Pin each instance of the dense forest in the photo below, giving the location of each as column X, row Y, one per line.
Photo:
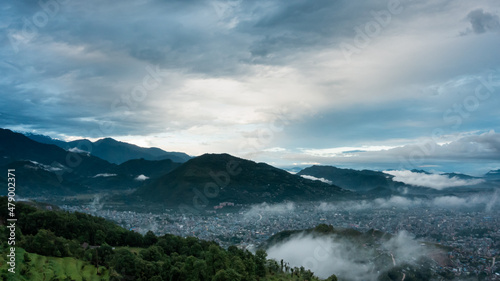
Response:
column 109, row 252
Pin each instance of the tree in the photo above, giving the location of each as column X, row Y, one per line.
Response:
column 153, row 253
column 216, row 259
column 226, row 275
column 260, row 263
column 150, row 238
column 124, row 262
column 100, row 237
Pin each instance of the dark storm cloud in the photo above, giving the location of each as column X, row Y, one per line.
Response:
column 224, row 64
column 482, row 21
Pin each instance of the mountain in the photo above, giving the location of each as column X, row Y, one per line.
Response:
column 48, row 170
column 213, row 178
column 148, row 168
column 493, row 175
column 112, row 150
column 351, row 179
column 459, row 176
column 16, row 147
column 34, row 180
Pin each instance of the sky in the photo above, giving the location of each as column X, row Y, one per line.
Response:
column 362, row 84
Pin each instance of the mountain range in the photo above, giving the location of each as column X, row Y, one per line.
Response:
column 355, row 180
column 66, row 168
column 113, row 151
column 48, row 170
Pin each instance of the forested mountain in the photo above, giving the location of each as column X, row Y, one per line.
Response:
column 358, row 180
column 222, row 177
column 112, row 150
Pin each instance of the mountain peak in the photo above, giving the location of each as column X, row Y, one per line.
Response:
column 232, row 179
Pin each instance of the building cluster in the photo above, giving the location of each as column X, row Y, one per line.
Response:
column 471, row 237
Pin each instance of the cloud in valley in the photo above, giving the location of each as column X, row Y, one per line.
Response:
column 141, row 178
column 326, row 255
column 435, row 181
column 265, row 209
column 316, row 179
column 486, row 201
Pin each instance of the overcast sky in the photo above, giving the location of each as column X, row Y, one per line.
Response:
column 368, row 84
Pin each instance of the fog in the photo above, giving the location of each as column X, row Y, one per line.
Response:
column 435, row 181
column 483, row 201
column 317, row 179
column 327, row 255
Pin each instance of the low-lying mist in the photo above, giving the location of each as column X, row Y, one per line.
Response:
column 483, row 201
column 327, row 255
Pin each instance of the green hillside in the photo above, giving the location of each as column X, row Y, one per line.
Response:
column 57, row 245
column 37, row 267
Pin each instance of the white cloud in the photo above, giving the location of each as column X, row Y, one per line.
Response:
column 327, row 255
column 141, row 178
column 431, row 180
column 105, row 175
column 317, row 179
column 342, row 151
column 486, row 201
column 48, row 168
column 265, row 209
column 77, row 150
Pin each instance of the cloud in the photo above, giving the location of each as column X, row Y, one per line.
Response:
column 227, row 66
column 264, row 209
column 488, row 201
column 141, row 178
column 56, row 167
column 468, row 152
column 105, row 175
column 434, row 181
column 316, row 179
column 482, row 21
column 449, row 201
column 77, row 150
column 327, row 255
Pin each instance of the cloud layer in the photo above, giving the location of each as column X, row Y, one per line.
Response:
column 435, row 181
column 247, row 76
column 347, row 260
column 486, row 201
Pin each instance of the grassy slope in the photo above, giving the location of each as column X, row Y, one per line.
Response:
column 45, row 268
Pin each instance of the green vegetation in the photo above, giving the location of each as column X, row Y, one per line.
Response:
column 55, row 245
column 36, row 267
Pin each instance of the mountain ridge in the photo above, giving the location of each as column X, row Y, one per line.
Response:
column 223, row 177
column 112, row 150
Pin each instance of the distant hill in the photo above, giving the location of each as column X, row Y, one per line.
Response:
column 112, row 150
column 493, row 175
column 35, row 179
column 238, row 180
column 351, row 179
column 48, row 170
column 460, row 176
column 148, row 168
column 17, row 147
